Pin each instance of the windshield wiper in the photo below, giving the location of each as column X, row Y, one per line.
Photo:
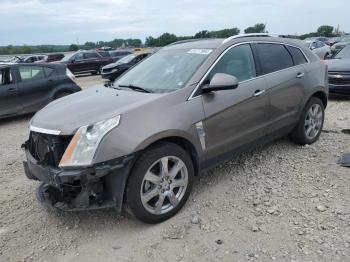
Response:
column 137, row 88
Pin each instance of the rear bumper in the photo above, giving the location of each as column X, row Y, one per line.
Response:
column 96, row 187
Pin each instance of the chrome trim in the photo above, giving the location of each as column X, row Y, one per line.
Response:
column 248, row 35
column 201, row 134
column 44, row 130
column 259, row 93
column 257, row 77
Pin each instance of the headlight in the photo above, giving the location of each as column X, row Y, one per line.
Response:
column 115, row 70
column 81, row 150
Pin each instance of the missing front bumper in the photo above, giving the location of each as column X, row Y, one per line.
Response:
column 96, row 187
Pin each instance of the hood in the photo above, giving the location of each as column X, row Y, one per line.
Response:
column 87, row 107
column 338, row 64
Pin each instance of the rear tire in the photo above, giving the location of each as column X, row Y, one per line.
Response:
column 160, row 183
column 310, row 124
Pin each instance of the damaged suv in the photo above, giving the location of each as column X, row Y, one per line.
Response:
column 137, row 144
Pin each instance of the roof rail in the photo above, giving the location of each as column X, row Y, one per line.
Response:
column 250, row 35
column 189, row 40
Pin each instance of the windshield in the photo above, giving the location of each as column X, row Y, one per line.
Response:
column 165, row 71
column 126, row 59
column 67, row 57
column 344, row 53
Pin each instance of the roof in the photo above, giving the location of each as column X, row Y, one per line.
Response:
column 216, row 42
column 196, row 43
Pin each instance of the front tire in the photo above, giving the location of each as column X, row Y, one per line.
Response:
column 310, row 124
column 160, row 183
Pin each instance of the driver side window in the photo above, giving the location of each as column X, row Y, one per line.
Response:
column 238, row 62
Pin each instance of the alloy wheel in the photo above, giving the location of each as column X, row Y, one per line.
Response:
column 313, row 121
column 164, row 185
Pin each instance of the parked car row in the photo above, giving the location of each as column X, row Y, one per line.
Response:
column 321, row 49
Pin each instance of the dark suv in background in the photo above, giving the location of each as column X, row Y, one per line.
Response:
column 173, row 116
column 86, row 62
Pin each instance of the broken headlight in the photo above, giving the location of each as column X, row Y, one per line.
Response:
column 81, row 150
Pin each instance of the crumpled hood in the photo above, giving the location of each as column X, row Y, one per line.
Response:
column 87, row 107
column 338, row 64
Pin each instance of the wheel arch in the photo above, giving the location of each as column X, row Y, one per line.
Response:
column 181, row 141
column 322, row 96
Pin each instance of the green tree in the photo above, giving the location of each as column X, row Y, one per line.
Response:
column 325, row 30
column 257, row 28
column 166, row 39
column 73, row 47
column 202, row 34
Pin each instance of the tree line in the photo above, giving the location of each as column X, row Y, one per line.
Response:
column 162, row 40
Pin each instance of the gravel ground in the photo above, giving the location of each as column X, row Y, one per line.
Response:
column 282, row 202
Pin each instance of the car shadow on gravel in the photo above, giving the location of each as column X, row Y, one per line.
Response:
column 12, row 120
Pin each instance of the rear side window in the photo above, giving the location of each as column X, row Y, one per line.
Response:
column 238, row 62
column 273, row 57
column 104, row 54
column 297, row 55
column 28, row 73
column 90, row 55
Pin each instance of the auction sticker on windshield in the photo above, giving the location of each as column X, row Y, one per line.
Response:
column 200, row 51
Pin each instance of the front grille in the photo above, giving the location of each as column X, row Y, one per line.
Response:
column 48, row 149
column 339, row 78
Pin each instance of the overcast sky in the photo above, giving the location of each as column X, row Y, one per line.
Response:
column 69, row 21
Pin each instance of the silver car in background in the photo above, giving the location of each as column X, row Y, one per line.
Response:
column 319, row 48
column 138, row 144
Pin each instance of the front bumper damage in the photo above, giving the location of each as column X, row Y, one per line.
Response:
column 96, row 187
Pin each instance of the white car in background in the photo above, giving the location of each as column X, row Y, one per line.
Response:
column 319, row 48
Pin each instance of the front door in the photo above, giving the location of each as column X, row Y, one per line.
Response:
column 234, row 118
column 9, row 98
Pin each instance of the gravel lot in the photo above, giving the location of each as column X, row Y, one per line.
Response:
column 282, row 202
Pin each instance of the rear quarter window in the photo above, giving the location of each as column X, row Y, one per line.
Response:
column 273, row 57
column 297, row 55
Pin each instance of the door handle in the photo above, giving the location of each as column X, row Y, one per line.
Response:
column 259, row 92
column 300, row 75
column 11, row 89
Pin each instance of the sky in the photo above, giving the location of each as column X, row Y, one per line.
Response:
column 35, row 22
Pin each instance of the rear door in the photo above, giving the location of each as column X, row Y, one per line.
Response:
column 235, row 117
column 35, row 86
column 9, row 97
column 92, row 61
column 285, row 78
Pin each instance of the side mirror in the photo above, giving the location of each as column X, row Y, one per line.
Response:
column 72, row 61
column 221, row 81
column 312, row 47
